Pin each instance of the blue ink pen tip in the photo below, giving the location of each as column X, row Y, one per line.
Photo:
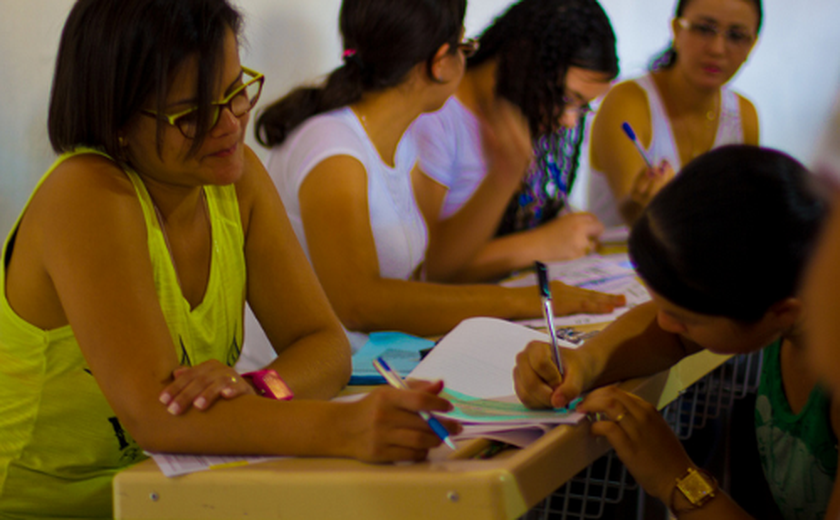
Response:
column 628, row 130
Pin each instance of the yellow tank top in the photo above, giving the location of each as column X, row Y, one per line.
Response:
column 60, row 442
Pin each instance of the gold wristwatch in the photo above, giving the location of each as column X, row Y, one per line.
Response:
column 697, row 486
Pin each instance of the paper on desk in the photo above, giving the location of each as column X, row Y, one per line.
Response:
column 589, row 269
column 475, row 361
column 629, row 286
column 175, row 464
column 616, row 234
column 612, row 274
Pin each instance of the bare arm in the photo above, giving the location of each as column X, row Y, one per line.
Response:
column 455, row 241
column 89, row 239
column 612, row 153
column 632, row 346
column 652, row 452
column 335, row 214
column 749, row 118
column 313, row 353
column 567, row 237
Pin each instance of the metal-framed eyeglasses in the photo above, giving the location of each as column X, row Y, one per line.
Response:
column 240, row 101
column 708, row 31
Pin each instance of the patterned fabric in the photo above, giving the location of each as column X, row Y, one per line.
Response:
column 545, row 188
column 60, row 442
column 798, row 451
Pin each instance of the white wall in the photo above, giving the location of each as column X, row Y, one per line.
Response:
column 792, row 74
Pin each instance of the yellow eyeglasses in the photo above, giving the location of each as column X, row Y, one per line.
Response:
column 240, row 101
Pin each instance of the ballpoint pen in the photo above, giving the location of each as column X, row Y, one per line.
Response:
column 632, row 135
column 548, row 312
column 395, row 380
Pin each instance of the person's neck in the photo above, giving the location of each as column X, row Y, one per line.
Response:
column 683, row 98
column 794, row 337
column 176, row 205
column 477, row 90
column 385, row 116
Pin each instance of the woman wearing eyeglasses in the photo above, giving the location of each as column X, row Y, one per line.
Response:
column 500, row 158
column 678, row 111
column 123, row 283
column 342, row 154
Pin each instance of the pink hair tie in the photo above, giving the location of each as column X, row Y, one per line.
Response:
column 349, row 53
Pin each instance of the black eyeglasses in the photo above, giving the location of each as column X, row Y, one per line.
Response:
column 239, row 102
column 736, row 38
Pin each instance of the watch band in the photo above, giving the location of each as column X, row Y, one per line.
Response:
column 698, row 486
column 269, row 384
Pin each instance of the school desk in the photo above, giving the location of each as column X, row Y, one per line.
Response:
column 451, row 485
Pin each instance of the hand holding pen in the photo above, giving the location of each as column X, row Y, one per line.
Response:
column 647, row 184
column 396, row 381
column 628, row 130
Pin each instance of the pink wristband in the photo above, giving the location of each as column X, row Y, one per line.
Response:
column 269, row 384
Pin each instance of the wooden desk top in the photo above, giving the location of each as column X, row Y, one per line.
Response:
column 503, row 487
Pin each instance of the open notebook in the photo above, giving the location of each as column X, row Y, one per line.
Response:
column 475, row 361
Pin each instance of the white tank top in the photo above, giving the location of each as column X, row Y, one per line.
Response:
column 663, row 145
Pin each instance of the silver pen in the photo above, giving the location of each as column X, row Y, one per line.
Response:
column 548, row 312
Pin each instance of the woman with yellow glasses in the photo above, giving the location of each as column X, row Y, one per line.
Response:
column 124, row 281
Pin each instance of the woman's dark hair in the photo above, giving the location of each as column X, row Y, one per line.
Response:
column 731, row 234
column 383, row 41
column 535, row 42
column 668, row 57
column 114, row 55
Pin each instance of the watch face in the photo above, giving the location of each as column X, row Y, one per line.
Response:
column 696, row 488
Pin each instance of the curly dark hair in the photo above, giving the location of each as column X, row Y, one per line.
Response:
column 535, row 42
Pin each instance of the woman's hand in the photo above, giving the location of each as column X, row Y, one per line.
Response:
column 506, row 141
column 645, row 187
column 537, row 381
column 569, row 299
column 385, row 426
column 641, row 438
column 570, row 236
column 201, row 385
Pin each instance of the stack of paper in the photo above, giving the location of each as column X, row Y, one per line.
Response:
column 475, row 361
column 612, row 274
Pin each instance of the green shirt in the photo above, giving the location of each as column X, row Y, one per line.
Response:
column 60, row 442
column 798, row 451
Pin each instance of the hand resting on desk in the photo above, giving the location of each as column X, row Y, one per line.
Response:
column 201, row 385
column 382, row 427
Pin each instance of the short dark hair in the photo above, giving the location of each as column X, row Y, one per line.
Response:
column 535, row 42
column 114, row 54
column 383, row 41
column 731, row 234
column 667, row 58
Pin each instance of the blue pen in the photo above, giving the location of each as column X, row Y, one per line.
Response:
column 632, row 135
column 548, row 312
column 394, row 379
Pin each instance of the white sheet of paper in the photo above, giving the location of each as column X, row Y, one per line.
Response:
column 175, row 464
